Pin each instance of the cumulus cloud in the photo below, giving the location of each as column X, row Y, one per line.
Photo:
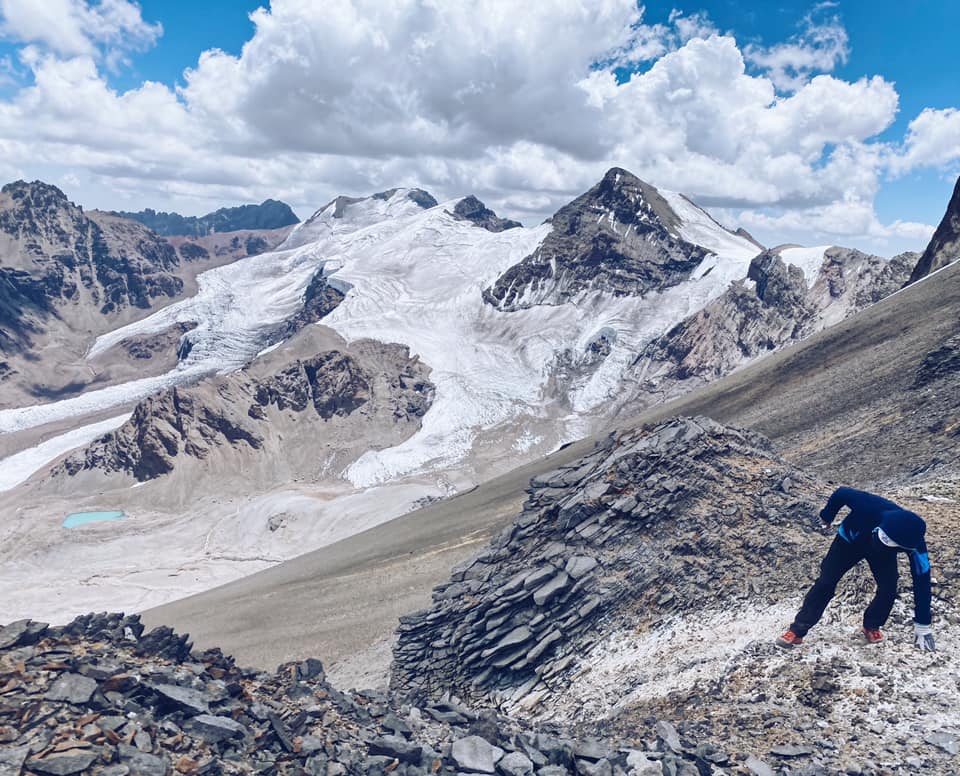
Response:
column 523, row 104
column 933, row 139
column 78, row 27
column 820, row 47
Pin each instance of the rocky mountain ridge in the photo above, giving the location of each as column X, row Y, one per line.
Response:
column 774, row 306
column 944, row 246
column 269, row 214
column 620, row 236
column 248, row 410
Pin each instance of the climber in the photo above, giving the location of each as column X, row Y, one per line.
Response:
column 875, row 530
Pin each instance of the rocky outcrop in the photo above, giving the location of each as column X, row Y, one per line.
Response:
column 619, row 237
column 939, row 363
column 775, row 306
column 472, row 209
column 54, row 255
column 238, row 411
column 269, row 214
column 103, row 696
column 657, row 520
column 944, row 246
column 319, row 300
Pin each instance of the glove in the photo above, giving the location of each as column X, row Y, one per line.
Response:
column 923, row 637
column 827, row 519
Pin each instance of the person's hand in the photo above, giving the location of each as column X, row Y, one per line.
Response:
column 923, row 638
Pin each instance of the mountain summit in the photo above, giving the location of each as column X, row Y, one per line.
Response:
column 945, row 245
column 269, row 214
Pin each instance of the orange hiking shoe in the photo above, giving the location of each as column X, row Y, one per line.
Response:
column 873, row 635
column 789, row 640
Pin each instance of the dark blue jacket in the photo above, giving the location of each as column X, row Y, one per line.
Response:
column 867, row 512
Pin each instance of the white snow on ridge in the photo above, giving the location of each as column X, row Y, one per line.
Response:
column 19, row 467
column 416, row 277
column 810, row 260
column 700, row 229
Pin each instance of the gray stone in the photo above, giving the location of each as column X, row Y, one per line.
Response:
column 514, row 637
column 141, row 763
column 534, row 578
column 552, row 589
column 592, row 750
column 183, row 697
column 553, row 770
column 213, row 729
column 758, row 767
column 476, row 755
column 641, row 765
column 515, row 764
column 310, row 744
column 946, row 741
column 12, row 634
column 72, row 688
column 791, row 750
column 11, row 760
column 669, row 734
column 396, row 747
column 579, row 565
column 598, row 768
column 61, row 764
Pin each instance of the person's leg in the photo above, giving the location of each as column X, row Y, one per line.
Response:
column 883, row 564
column 840, row 558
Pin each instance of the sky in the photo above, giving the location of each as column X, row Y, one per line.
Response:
column 807, row 122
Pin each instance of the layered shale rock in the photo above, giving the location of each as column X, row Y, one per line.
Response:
column 944, row 246
column 657, row 520
column 101, row 696
column 774, row 306
column 619, row 237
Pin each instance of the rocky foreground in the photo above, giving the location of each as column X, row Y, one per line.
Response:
column 621, row 626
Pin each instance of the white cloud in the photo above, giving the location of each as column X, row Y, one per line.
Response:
column 518, row 103
column 819, row 48
column 933, row 139
column 78, row 27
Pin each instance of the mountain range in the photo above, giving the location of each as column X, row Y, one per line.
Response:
column 269, row 214
column 560, row 486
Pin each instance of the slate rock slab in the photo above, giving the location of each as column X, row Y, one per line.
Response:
column 214, row 729
column 72, row 688
column 183, row 697
column 474, row 754
column 11, row 760
column 65, row 763
column 791, row 750
column 396, row 747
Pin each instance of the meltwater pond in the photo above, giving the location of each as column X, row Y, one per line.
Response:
column 82, row 518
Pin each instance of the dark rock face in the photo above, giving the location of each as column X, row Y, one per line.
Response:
column 319, row 300
column 944, row 247
column 939, row 363
column 234, row 412
column 162, row 427
column 423, row 198
column 333, row 383
column 61, row 250
column 269, row 214
column 778, row 309
column 472, row 209
column 660, row 519
column 618, row 237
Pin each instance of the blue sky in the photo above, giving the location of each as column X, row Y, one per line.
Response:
column 856, row 144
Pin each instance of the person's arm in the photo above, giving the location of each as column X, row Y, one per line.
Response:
column 841, row 497
column 922, row 595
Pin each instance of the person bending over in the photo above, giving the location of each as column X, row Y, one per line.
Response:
column 875, row 530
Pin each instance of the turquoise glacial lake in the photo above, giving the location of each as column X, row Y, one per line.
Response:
column 82, row 518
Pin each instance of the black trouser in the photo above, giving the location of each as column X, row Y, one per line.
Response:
column 841, row 557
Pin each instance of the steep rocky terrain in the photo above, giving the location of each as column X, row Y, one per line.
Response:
column 944, row 247
column 774, row 306
column 647, row 579
column 269, row 214
column 657, row 520
column 67, row 275
column 251, row 411
column 102, row 696
column 620, row 236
